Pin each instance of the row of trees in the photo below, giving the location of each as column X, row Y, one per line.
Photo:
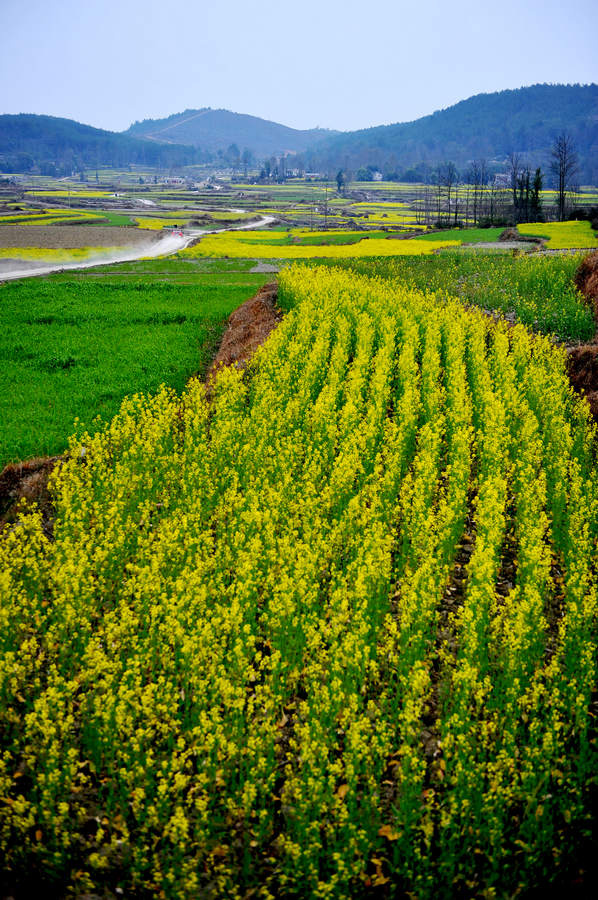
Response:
column 479, row 193
column 482, row 195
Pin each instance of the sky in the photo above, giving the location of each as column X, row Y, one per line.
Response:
column 336, row 64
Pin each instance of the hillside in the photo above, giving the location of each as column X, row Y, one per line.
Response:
column 217, row 129
column 60, row 146
column 486, row 125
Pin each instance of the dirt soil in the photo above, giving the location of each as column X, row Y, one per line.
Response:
column 511, row 234
column 248, row 327
column 71, row 237
column 586, row 281
column 26, row 481
column 582, row 359
column 582, row 366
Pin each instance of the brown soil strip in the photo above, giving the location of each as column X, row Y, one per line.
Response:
column 586, row 281
column 582, row 360
column 26, row 481
column 582, row 368
column 71, row 237
column 248, row 327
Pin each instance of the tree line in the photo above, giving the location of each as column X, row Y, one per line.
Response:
column 481, row 194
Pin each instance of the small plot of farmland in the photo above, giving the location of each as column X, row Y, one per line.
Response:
column 73, row 346
column 64, row 243
column 301, row 244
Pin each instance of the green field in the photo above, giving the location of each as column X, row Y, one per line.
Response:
column 537, row 290
column 72, row 346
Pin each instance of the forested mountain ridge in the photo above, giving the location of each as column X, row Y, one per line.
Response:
column 61, row 146
column 490, row 126
column 217, row 129
column 525, row 121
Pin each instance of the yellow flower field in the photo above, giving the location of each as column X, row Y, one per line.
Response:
column 47, row 217
column 153, row 223
column 329, row 633
column 55, row 254
column 562, row 235
column 73, row 194
column 270, row 245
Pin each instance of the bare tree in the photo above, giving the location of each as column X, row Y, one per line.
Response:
column 477, row 176
column 447, row 178
column 564, row 167
column 514, row 164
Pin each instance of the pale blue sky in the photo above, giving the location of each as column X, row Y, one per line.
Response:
column 335, row 64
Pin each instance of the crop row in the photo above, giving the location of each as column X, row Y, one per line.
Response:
column 331, row 631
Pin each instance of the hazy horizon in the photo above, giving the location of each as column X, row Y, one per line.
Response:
column 337, row 66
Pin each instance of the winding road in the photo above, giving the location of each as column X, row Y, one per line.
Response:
column 165, row 246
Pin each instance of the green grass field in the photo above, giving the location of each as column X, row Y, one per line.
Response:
column 467, row 235
column 72, row 346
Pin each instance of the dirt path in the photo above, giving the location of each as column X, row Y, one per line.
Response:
column 147, row 244
column 248, row 327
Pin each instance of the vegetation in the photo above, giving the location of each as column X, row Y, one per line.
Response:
column 465, row 235
column 331, row 633
column 487, row 125
column 310, row 245
column 563, row 235
column 73, row 346
column 52, row 217
column 57, row 254
column 538, row 290
column 60, row 146
column 221, row 130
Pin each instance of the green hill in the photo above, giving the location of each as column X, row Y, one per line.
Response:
column 217, row 129
column 491, row 126
column 60, row 146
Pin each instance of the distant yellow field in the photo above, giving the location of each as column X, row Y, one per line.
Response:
column 562, row 235
column 68, row 193
column 274, row 245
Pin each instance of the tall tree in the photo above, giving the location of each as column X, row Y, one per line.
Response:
column 514, row 164
column 477, row 176
column 564, row 166
column 247, row 160
column 447, row 178
column 536, row 199
column 523, row 199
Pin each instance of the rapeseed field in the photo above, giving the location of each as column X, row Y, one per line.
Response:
column 330, row 632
